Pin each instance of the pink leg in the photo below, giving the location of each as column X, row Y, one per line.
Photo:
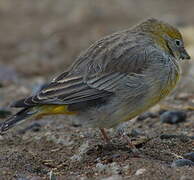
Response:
column 105, row 136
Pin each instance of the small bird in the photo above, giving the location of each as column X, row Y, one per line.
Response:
column 117, row 78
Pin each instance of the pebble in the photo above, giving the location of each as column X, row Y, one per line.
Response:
column 112, row 168
column 182, row 162
column 81, row 151
column 189, row 156
column 76, row 157
column 136, row 132
column 173, row 117
column 191, row 137
column 84, row 148
column 115, row 168
column 140, row 171
column 64, row 140
column 183, row 96
column 101, row 167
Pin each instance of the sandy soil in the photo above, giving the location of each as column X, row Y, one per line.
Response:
column 39, row 39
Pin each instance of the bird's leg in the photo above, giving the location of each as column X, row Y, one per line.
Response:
column 129, row 142
column 121, row 132
column 104, row 134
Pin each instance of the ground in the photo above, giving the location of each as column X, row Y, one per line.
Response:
column 39, row 39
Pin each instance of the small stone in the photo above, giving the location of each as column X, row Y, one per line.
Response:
column 136, row 132
column 182, row 162
column 66, row 141
column 140, row 171
column 81, row 151
column 183, row 96
column 189, row 156
column 173, row 117
column 84, row 148
column 112, row 168
column 101, row 167
column 191, row 137
column 115, row 156
column 76, row 157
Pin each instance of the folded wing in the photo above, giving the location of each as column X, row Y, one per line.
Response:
column 99, row 72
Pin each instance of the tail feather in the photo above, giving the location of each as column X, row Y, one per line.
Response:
column 17, row 118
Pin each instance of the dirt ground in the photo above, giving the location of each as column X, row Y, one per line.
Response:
column 38, row 40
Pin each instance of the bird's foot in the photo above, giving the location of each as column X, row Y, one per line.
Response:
column 105, row 136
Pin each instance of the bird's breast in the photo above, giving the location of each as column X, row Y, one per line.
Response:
column 166, row 84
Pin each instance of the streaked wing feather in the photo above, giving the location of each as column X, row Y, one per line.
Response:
column 64, row 93
column 99, row 72
column 86, row 97
column 61, row 76
column 109, row 81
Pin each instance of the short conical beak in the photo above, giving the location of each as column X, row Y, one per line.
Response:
column 184, row 55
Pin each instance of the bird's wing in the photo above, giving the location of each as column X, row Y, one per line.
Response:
column 99, row 72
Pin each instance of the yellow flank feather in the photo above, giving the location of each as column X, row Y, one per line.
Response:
column 46, row 110
column 155, row 99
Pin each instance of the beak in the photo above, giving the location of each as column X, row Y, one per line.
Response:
column 184, row 55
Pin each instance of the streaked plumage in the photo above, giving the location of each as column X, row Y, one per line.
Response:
column 115, row 79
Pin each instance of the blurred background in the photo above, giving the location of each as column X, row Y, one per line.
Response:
column 39, row 39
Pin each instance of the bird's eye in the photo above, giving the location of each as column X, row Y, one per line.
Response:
column 178, row 42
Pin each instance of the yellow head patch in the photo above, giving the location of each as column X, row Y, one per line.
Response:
column 160, row 28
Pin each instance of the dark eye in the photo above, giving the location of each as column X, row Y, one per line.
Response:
column 177, row 42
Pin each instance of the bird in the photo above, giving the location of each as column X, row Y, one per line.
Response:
column 116, row 79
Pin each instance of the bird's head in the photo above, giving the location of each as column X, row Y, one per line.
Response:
column 167, row 37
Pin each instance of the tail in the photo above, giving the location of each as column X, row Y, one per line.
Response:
column 17, row 118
